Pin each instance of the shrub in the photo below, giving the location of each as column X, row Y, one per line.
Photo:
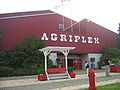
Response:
column 37, row 69
column 6, row 71
column 49, row 63
column 24, row 71
column 53, row 66
column 70, row 69
column 23, row 57
column 115, row 60
column 100, row 64
column 41, row 71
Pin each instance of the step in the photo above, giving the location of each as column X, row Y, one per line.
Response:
column 58, row 76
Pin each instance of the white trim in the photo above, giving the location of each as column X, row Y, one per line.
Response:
column 23, row 16
column 56, row 48
column 64, row 50
column 70, row 26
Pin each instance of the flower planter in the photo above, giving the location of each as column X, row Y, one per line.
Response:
column 115, row 68
column 42, row 77
column 56, row 70
column 72, row 74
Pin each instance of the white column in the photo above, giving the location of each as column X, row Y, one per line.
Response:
column 65, row 52
column 66, row 62
column 45, row 61
column 46, row 52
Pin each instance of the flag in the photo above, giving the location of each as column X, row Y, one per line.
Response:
column 61, row 3
column 64, row 0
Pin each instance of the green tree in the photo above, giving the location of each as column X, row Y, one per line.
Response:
column 25, row 56
column 110, row 53
column 28, row 52
column 118, row 40
column 1, row 36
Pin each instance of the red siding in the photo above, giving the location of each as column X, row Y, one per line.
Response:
column 15, row 30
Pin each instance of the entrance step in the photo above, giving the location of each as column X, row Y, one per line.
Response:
column 58, row 76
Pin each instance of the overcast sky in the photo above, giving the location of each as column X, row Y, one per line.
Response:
column 102, row 12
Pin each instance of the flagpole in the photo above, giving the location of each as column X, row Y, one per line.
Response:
column 71, row 19
column 63, row 18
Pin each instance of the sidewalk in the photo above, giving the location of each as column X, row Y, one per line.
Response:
column 80, row 82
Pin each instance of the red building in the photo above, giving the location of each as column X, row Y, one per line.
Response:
column 88, row 37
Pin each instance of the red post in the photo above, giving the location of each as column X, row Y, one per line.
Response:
column 91, row 80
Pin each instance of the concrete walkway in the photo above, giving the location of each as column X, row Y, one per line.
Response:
column 80, row 82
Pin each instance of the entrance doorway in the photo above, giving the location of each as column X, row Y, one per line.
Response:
column 61, row 63
column 75, row 63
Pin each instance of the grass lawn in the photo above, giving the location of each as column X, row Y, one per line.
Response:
column 114, row 86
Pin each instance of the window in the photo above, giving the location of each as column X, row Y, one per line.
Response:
column 92, row 60
column 61, row 26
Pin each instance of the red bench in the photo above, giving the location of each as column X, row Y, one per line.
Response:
column 55, row 70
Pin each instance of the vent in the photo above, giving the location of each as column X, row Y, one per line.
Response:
column 61, row 26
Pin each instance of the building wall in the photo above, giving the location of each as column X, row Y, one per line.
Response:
column 96, row 56
column 86, row 57
column 16, row 29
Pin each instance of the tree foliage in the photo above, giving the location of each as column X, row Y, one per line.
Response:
column 118, row 40
column 1, row 36
column 115, row 60
column 110, row 53
column 25, row 56
column 29, row 53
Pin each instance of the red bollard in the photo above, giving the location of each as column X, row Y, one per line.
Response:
column 91, row 80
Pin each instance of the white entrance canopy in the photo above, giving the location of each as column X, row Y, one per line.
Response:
column 47, row 50
column 56, row 48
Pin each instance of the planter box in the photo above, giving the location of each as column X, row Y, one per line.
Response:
column 115, row 68
column 72, row 74
column 42, row 77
